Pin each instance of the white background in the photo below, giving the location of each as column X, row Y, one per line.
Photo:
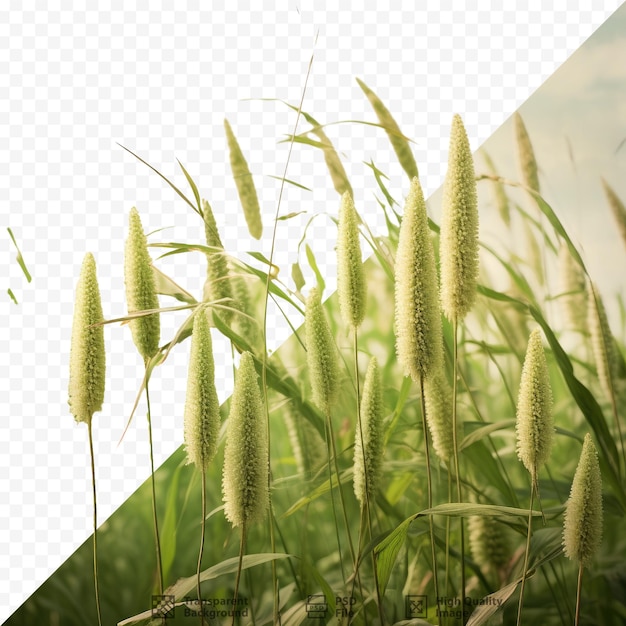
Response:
column 160, row 81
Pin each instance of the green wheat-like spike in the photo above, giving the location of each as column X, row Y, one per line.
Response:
column 368, row 450
column 601, row 339
column 202, row 411
column 245, row 478
column 243, row 324
column 322, row 358
column 217, row 286
column 140, row 288
column 617, row 208
column 417, row 315
column 459, row 228
column 488, row 541
column 573, row 285
column 399, row 144
column 245, row 184
column 87, row 354
column 525, row 154
column 534, row 426
column 582, row 527
column 350, row 276
column 438, row 400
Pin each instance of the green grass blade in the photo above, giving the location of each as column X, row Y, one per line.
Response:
column 398, row 141
column 193, row 186
column 20, row 259
column 169, row 182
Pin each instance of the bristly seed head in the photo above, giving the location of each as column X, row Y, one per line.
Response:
column 141, row 289
column 582, row 528
column 368, row 452
column 535, row 427
column 322, row 358
column 202, row 410
column 417, row 316
column 87, row 354
column 350, row 276
column 245, row 477
column 525, row 154
column 459, row 228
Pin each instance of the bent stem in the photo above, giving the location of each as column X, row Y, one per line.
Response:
column 95, row 524
column 154, row 509
column 455, row 358
column 200, row 553
column 530, row 519
column 430, row 494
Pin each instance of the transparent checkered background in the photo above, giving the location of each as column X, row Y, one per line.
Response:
column 75, row 82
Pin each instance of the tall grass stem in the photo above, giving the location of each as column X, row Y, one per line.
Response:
column 95, row 524
column 155, row 519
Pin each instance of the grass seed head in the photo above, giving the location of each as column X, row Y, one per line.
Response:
column 245, row 476
column 459, row 228
column 350, row 276
column 417, row 314
column 534, row 427
column 601, row 339
column 398, row 142
column 322, row 358
column 488, row 541
column 573, row 285
column 202, row 410
column 525, row 155
column 217, row 285
column 141, row 289
column 438, row 400
column 245, row 184
column 87, row 354
column 368, row 452
column 582, row 528
column 617, row 208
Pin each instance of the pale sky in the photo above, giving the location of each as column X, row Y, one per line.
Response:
column 580, row 112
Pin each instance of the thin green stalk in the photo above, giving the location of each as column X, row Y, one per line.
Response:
column 330, row 447
column 455, row 359
column 277, row 619
column 530, row 519
column 95, row 524
column 201, row 551
column 447, row 578
column 365, row 512
column 579, row 588
column 239, row 568
column 154, row 508
column 430, row 493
